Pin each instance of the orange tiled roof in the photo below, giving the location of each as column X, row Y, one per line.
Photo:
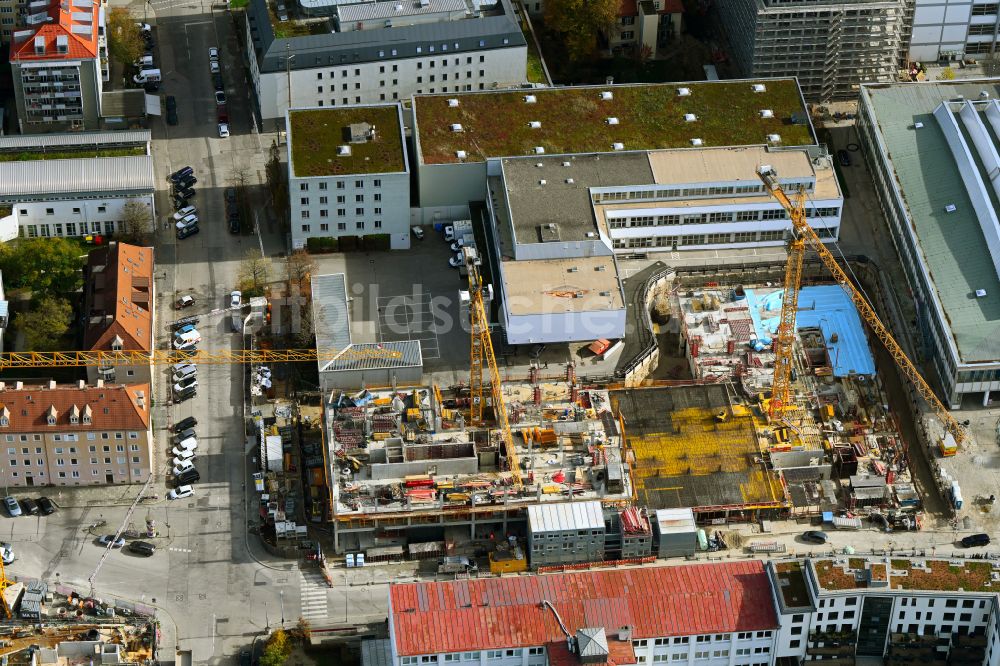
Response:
column 112, row 407
column 77, row 20
column 118, row 300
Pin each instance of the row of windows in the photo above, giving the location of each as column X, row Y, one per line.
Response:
column 75, row 474
column 705, row 239
column 72, row 437
column 51, row 211
column 340, row 185
column 712, row 218
column 678, row 193
column 341, row 212
column 704, row 638
column 471, row 656
column 341, row 226
column 69, row 229
column 985, row 10
column 358, row 198
column 948, row 603
column 395, row 96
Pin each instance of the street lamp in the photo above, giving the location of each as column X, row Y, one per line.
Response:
column 288, row 72
column 282, row 597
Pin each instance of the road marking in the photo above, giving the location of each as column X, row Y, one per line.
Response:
column 180, row 550
column 313, row 595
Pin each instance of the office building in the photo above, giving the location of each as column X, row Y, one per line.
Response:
column 831, row 47
column 76, row 184
column 75, row 435
column 59, row 62
column 932, row 150
column 348, row 177
column 951, row 30
column 325, row 53
column 118, row 300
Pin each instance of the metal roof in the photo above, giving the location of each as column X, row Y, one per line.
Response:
column 409, row 356
column 657, row 601
column 30, row 141
column 388, row 9
column 592, row 642
column 97, row 174
column 565, row 516
column 394, row 43
column 675, row 521
column 376, row 652
column 951, row 249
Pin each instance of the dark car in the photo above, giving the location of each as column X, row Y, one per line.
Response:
column 46, row 506
column 186, row 423
column 171, row 102
column 186, row 182
column 222, row 114
column 185, row 193
column 152, row 87
column 217, row 81
column 187, row 232
column 187, row 477
column 230, row 194
column 184, row 434
column 29, row 506
column 245, row 658
column 974, row 540
column 815, row 536
column 143, row 548
column 185, row 395
column 844, row 157
column 234, row 225
column 171, row 117
column 181, row 173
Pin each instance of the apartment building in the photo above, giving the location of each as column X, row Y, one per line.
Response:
column 348, row 176
column 830, row 46
column 643, row 26
column 75, row 435
column 907, row 132
column 954, row 29
column 711, row 614
column 382, row 51
column 84, row 190
column 59, row 62
column 118, row 309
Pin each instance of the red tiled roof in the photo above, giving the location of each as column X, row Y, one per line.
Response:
column 628, row 8
column 119, row 298
column 27, row 408
column 672, row 7
column 80, row 43
column 467, row 615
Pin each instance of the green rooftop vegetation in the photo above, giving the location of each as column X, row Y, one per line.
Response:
column 575, row 120
column 295, row 27
column 26, row 156
column 316, row 135
column 908, row 575
column 792, row 583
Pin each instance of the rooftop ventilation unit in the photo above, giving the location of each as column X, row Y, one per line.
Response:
column 605, row 293
column 758, row 87
column 984, row 94
column 774, row 138
column 542, row 182
column 617, row 146
column 918, row 126
column 980, row 293
column 539, row 150
column 683, row 92
column 530, row 99
column 535, row 124
column 600, row 269
column 690, row 117
column 696, row 142
column 950, row 208
column 590, row 234
column 766, row 113
column 574, row 269
column 539, row 165
column 607, row 95
column 456, row 127
column 566, row 164
column 570, row 181
column 461, row 154
column 612, row 121
column 343, row 151
column 453, row 102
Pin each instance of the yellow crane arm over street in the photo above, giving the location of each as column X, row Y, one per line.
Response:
column 76, row 359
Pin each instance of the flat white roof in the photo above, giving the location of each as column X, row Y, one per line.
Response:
column 565, row 516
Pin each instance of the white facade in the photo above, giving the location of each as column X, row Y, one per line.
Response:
column 953, row 29
column 74, row 217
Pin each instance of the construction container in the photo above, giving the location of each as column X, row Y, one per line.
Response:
column 507, row 562
column 566, row 533
column 675, row 533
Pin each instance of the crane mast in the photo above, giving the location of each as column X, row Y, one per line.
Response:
column 802, row 235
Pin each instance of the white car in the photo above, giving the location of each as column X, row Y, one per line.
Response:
column 449, row 233
column 223, row 130
column 235, row 299
column 214, row 66
column 187, row 221
column 184, row 466
column 181, row 492
column 184, row 212
column 181, row 387
column 187, row 340
column 7, row 553
column 144, row 27
column 188, row 444
column 456, row 261
column 213, row 54
column 182, row 454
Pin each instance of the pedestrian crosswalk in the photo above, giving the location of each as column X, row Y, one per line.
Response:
column 313, row 595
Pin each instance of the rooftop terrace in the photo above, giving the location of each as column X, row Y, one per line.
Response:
column 316, row 135
column 575, row 119
column 904, row 574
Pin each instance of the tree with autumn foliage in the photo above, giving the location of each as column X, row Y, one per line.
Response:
column 579, row 22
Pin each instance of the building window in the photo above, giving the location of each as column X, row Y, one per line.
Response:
column 305, row 228
column 628, row 20
column 628, row 34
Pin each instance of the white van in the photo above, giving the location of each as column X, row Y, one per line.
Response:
column 147, row 76
column 145, row 61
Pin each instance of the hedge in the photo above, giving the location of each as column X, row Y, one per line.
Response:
column 371, row 242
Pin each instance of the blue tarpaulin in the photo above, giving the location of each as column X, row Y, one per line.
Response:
column 828, row 308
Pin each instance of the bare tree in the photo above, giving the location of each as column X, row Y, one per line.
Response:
column 276, row 183
column 299, row 266
column 255, row 273
column 137, row 221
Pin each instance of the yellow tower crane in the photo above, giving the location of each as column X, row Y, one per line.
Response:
column 803, row 234
column 482, row 349
column 75, row 359
column 5, row 582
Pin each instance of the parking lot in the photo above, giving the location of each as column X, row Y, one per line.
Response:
column 409, row 317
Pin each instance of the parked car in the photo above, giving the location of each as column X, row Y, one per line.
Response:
column 974, row 540
column 188, row 231
column 213, row 53
column 152, row 87
column 7, row 554
column 143, row 548
column 220, row 98
column 172, row 117
column 189, row 383
column 417, row 232
column 46, row 506
column 186, row 183
column 234, row 225
column 449, row 233
column 171, row 102
column 184, row 212
column 230, row 195
column 181, row 492
column 13, row 508
column 815, row 536
column 144, row 27
column 184, row 328
column 180, row 455
column 187, row 395
column 109, row 539
column 223, row 130
column 186, row 371
column 214, row 67
column 181, row 173
column 187, row 477
column 187, row 341
column 844, row 157
column 235, row 299
column 185, row 193
column 184, row 466
column 187, row 221
column 217, row 81
column 184, row 302
column 185, row 423
column 29, row 506
column 454, row 262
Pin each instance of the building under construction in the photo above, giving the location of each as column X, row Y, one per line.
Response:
column 407, row 469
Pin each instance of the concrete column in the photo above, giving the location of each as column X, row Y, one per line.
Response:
column 986, row 398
